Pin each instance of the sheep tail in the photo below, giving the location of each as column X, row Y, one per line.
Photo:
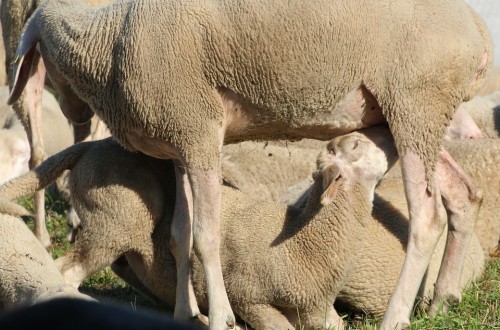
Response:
column 44, row 174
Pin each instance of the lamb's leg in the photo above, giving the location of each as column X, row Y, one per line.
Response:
column 462, row 200
column 261, row 316
column 34, row 133
column 427, row 221
column 206, row 187
column 73, row 270
column 324, row 317
column 122, row 268
column 181, row 242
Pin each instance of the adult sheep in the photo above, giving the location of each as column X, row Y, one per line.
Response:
column 13, row 16
column 229, row 71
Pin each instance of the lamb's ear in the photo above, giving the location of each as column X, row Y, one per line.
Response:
column 332, row 180
column 24, row 58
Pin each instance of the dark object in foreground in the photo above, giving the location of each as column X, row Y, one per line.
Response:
column 75, row 314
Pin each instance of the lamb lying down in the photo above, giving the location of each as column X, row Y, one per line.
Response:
column 27, row 272
column 277, row 260
column 120, row 210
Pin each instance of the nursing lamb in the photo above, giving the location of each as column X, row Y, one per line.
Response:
column 227, row 71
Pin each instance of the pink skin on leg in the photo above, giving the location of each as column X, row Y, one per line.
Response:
column 462, row 200
column 428, row 219
column 181, row 242
column 206, row 189
column 34, row 132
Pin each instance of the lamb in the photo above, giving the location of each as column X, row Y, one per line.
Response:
column 346, row 184
column 13, row 16
column 27, row 272
column 91, row 253
column 216, row 83
column 280, row 170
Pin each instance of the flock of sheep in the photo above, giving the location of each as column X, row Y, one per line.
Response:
column 295, row 226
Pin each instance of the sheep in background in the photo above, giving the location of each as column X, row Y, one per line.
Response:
column 485, row 112
column 287, row 84
column 492, row 82
column 27, row 272
column 13, row 16
column 265, row 170
column 14, row 145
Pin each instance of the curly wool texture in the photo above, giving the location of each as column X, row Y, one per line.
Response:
column 27, row 271
column 121, row 204
column 295, row 66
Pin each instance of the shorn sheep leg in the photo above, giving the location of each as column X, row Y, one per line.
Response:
column 34, row 132
column 206, row 188
column 427, row 221
column 181, row 242
column 462, row 200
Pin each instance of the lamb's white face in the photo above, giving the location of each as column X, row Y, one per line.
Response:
column 366, row 154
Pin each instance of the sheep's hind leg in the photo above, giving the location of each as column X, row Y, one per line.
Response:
column 181, row 242
column 206, row 188
column 427, row 221
column 462, row 200
column 34, row 132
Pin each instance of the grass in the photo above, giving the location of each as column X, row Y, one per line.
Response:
column 479, row 308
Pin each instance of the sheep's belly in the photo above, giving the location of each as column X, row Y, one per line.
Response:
column 246, row 121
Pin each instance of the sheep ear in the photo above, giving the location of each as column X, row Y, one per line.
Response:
column 332, row 180
column 24, row 58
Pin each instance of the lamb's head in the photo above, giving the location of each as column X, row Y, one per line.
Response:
column 361, row 157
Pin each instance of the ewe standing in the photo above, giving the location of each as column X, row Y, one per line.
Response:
column 224, row 71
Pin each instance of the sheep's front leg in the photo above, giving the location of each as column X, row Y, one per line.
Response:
column 462, row 200
column 181, row 242
column 206, row 187
column 427, row 221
